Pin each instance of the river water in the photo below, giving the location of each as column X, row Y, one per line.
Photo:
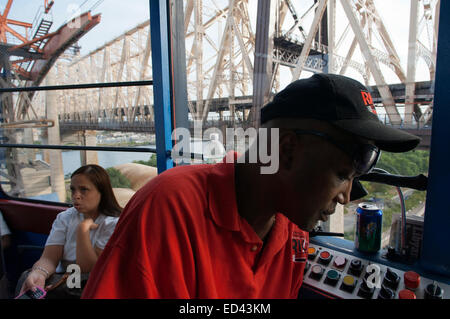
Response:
column 72, row 160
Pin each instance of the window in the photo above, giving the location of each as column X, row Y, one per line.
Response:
column 104, row 114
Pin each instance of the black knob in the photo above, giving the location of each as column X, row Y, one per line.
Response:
column 355, row 267
column 386, row 293
column 365, row 291
column 433, row 291
column 391, row 279
column 391, row 253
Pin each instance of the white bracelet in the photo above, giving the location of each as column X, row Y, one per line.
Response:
column 43, row 270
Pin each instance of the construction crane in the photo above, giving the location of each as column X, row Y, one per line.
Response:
column 27, row 53
column 22, row 48
column 48, row 5
column 27, row 56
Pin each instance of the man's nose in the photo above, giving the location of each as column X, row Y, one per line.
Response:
column 344, row 195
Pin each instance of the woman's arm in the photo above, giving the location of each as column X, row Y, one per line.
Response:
column 44, row 267
column 87, row 255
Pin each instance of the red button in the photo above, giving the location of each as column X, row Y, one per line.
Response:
column 325, row 255
column 412, row 279
column 406, row 294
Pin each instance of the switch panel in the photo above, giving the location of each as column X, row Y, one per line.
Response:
column 344, row 276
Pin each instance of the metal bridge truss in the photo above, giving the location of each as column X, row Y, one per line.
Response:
column 126, row 58
column 220, row 52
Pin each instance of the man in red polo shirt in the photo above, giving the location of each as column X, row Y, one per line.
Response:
column 229, row 231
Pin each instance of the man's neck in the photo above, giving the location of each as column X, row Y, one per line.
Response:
column 252, row 201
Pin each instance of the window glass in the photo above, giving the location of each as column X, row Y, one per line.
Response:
column 75, row 42
column 220, row 50
column 388, row 198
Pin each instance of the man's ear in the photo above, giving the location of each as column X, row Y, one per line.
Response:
column 288, row 145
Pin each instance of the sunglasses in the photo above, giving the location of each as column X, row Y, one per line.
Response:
column 364, row 156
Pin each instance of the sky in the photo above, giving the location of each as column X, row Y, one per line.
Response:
column 119, row 16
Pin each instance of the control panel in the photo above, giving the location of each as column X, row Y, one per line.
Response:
column 341, row 275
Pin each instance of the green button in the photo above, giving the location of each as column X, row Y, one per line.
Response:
column 333, row 274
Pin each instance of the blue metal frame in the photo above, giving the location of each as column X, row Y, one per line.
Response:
column 436, row 238
column 162, row 88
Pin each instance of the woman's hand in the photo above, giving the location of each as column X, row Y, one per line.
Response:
column 86, row 225
column 35, row 278
column 43, row 268
column 86, row 254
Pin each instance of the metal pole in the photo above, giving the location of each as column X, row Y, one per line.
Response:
column 161, row 65
column 180, row 98
column 410, row 84
column 54, row 138
column 262, row 73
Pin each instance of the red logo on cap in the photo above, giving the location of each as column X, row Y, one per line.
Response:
column 367, row 98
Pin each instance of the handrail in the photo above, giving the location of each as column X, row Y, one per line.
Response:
column 76, row 86
column 98, row 148
column 82, row 148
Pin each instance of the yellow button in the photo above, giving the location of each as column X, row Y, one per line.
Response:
column 349, row 280
column 254, row 248
column 311, row 250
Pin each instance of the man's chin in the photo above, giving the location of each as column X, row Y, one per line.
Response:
column 307, row 227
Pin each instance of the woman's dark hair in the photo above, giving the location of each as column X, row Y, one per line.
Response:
column 100, row 178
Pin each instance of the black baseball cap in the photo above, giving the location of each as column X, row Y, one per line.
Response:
column 341, row 101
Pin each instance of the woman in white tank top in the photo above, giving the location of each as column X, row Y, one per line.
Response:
column 80, row 233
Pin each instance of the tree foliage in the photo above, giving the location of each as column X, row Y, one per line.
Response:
column 410, row 163
column 118, row 180
column 150, row 162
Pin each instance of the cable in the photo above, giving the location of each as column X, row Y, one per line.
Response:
column 83, row 3
column 99, row 2
column 79, row 8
